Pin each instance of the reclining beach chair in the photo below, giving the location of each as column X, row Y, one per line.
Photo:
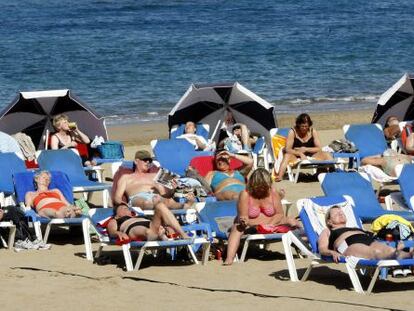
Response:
column 312, row 214
column 260, row 154
column 370, row 141
column 100, row 218
column 10, row 164
column 202, row 129
column 175, row 154
column 298, row 165
column 405, row 197
column 358, row 187
column 220, row 216
column 24, row 182
column 70, row 163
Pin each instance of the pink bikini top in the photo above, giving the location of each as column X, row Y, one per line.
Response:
column 254, row 211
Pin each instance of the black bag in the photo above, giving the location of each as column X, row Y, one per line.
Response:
column 14, row 214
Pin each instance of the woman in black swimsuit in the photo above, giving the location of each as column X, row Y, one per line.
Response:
column 125, row 226
column 338, row 240
column 302, row 142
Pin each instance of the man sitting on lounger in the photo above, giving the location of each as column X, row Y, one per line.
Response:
column 141, row 189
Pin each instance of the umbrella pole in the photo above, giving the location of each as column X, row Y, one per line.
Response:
column 215, row 130
column 46, row 138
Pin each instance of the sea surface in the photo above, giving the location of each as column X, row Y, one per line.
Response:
column 133, row 60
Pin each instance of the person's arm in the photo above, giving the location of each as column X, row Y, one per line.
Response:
column 80, row 136
column 209, row 177
column 316, row 141
column 277, row 205
column 409, row 143
column 323, row 245
column 28, row 199
column 120, row 189
column 289, row 145
column 112, row 229
column 243, row 209
column 54, row 142
column 201, row 142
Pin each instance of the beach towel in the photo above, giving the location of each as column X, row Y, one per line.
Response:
column 278, row 144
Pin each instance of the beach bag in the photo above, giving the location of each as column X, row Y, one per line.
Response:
column 407, row 130
column 111, row 150
column 397, row 226
column 343, row 145
column 15, row 215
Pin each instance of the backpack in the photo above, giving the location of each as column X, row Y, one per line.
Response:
column 14, row 214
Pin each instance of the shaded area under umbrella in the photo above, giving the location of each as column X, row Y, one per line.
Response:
column 32, row 113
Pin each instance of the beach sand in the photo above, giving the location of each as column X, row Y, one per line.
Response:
column 62, row 279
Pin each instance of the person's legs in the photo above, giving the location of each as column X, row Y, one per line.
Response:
column 245, row 135
column 321, row 155
column 374, row 160
column 227, row 196
column 162, row 215
column 287, row 158
column 233, row 243
column 376, row 250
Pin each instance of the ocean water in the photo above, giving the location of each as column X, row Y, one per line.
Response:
column 133, row 60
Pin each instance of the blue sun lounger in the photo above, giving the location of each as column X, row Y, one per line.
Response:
column 358, row 186
column 24, row 182
column 99, row 216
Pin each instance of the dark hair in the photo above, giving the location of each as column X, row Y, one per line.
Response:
column 115, row 208
column 388, row 119
column 302, row 119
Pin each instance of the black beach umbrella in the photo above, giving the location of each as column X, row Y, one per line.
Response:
column 32, row 114
column 397, row 101
column 209, row 103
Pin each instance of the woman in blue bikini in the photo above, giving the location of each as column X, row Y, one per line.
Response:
column 225, row 182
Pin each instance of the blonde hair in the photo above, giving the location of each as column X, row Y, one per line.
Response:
column 259, row 184
column 59, row 118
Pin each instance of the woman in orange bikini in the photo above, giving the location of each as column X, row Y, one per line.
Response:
column 259, row 204
column 49, row 202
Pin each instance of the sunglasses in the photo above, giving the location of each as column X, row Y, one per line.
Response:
column 148, row 160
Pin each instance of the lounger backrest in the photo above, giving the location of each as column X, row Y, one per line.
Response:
column 312, row 214
column 65, row 161
column 259, row 145
column 406, row 182
column 10, row 164
column 368, row 138
column 24, row 182
column 356, row 185
column 219, row 215
column 205, row 164
column 173, row 154
column 201, row 129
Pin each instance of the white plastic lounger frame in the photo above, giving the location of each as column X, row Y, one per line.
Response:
column 12, row 233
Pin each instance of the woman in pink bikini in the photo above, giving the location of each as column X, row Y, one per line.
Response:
column 50, row 202
column 259, row 204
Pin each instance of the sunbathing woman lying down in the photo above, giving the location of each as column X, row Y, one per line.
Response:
column 125, row 226
column 49, row 202
column 338, row 240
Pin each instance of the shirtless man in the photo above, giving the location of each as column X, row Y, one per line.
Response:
column 142, row 190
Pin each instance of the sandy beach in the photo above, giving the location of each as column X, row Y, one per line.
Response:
column 62, row 279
